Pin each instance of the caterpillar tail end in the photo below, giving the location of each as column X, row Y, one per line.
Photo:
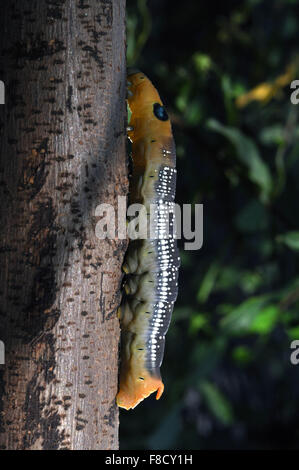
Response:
column 130, row 395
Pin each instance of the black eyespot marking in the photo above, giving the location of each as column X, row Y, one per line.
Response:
column 160, row 112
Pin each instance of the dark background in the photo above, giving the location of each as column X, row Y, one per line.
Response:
column 229, row 382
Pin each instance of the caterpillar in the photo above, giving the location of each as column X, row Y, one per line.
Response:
column 151, row 265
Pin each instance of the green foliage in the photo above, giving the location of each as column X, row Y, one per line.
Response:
column 228, row 379
column 208, row 282
column 241, row 320
column 290, row 239
column 138, row 31
column 217, row 402
column 266, row 320
column 242, row 355
column 248, row 154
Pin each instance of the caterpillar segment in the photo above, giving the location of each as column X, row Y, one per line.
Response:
column 151, row 264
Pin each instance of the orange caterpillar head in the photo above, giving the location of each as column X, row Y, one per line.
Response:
column 148, row 112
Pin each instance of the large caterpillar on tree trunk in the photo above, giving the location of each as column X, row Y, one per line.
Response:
column 151, row 264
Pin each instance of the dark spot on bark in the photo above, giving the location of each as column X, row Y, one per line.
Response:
column 81, row 420
column 43, row 232
column 36, row 409
column 12, row 97
column 79, row 427
column 69, row 98
column 43, row 147
column 82, row 5
column 57, row 113
column 95, row 54
column 107, row 14
column 110, row 417
column 37, row 49
column 54, row 13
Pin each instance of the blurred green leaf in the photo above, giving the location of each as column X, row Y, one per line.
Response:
column 202, row 62
column 138, row 30
column 182, row 99
column 272, row 135
column 208, row 282
column 217, row 403
column 250, row 281
column 131, row 40
column 248, row 154
column 193, row 114
column 290, row 239
column 239, row 321
column 197, row 322
column 228, row 95
column 293, row 332
column 228, row 277
column 224, row 308
column 265, row 321
column 242, row 355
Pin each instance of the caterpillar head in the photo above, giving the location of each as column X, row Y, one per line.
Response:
column 149, row 116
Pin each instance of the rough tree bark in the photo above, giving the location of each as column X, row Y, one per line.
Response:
column 62, row 154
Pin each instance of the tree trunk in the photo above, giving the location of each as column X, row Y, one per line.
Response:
column 62, row 154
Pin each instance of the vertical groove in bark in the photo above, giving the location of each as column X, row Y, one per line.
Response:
column 62, row 154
